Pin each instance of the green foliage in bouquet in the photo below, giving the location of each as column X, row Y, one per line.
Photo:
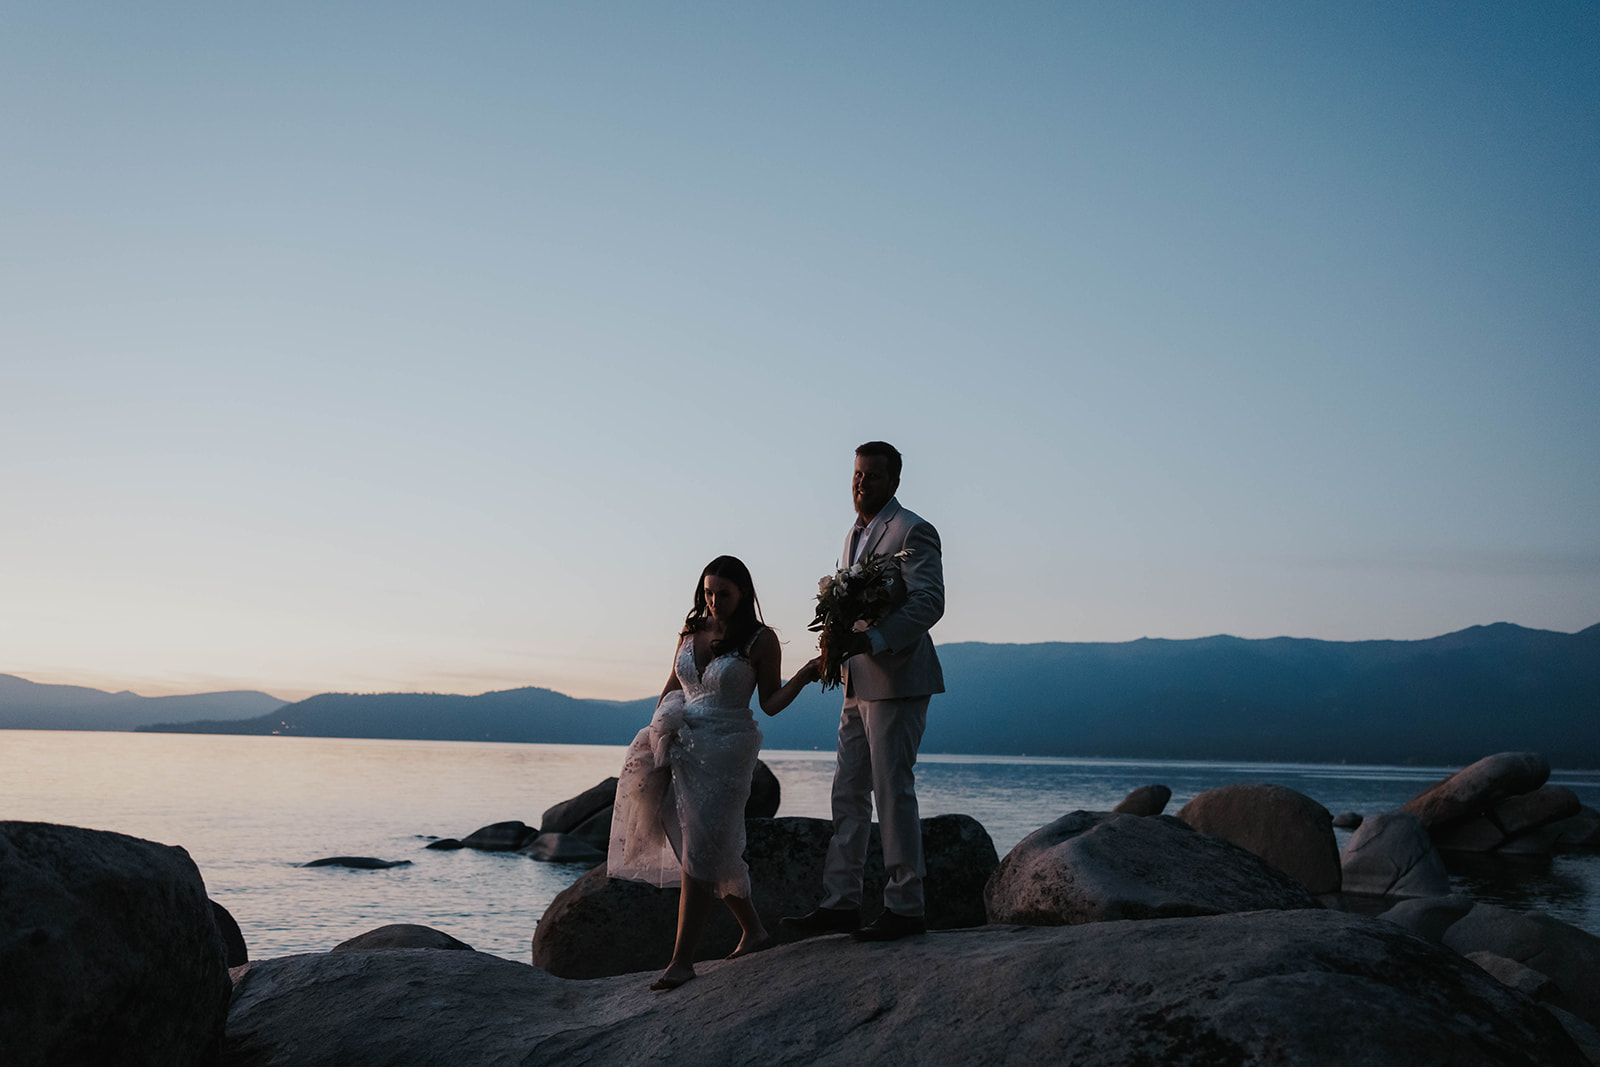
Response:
column 860, row 592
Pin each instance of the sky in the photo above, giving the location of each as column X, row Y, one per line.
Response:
column 438, row 347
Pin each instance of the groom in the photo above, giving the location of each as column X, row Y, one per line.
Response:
column 890, row 675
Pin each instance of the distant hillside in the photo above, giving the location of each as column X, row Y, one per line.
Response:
column 26, row 705
column 1447, row 700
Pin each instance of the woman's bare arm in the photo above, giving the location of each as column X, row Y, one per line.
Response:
column 767, row 659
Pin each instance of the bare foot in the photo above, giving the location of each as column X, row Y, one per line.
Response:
column 748, row 945
column 673, row 977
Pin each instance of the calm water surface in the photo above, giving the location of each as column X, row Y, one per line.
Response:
column 251, row 809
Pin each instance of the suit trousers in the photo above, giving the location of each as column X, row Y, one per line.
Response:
column 878, row 742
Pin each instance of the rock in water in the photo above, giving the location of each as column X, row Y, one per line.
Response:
column 765, row 793
column 109, row 951
column 505, row 836
column 1391, row 855
column 1565, row 953
column 563, row 848
column 1146, row 800
column 1301, row 988
column 1519, row 814
column 1096, row 866
column 570, row 814
column 234, row 950
column 1578, row 831
column 1287, row 829
column 445, row 844
column 595, row 830
column 1513, row 975
column 1474, row 789
column 1347, row 820
column 578, row 935
column 360, row 863
column 1473, row 835
column 401, row 935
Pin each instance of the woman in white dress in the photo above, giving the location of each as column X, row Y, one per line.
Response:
column 679, row 816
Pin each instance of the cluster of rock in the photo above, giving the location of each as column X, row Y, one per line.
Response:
column 578, row 830
column 1502, row 804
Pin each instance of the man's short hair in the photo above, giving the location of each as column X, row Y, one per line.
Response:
column 886, row 450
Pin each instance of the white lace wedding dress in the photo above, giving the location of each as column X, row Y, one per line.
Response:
column 686, row 779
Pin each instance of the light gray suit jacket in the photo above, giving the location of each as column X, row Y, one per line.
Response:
column 908, row 667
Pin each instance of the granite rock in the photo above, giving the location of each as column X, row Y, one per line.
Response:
column 401, row 935
column 1565, row 953
column 1477, row 787
column 235, row 952
column 1429, row 917
column 109, row 951
column 765, row 793
column 1286, row 828
column 1097, row 866
column 358, row 863
column 1305, row 988
column 1391, row 855
column 1513, row 975
column 567, row 816
column 1146, row 800
column 1524, row 812
column 1347, row 820
column 505, row 836
column 563, row 848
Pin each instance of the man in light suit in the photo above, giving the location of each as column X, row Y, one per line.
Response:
column 888, row 679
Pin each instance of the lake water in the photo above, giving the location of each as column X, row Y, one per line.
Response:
column 250, row 809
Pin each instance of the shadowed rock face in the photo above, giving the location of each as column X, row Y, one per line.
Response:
column 401, row 935
column 109, row 951
column 1392, row 855
column 500, row 836
column 1097, row 866
column 1477, row 787
column 578, row 937
column 568, row 815
column 1286, row 828
column 1301, row 988
column 1565, row 953
column 360, row 863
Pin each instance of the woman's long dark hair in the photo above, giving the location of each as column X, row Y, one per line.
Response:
column 746, row 617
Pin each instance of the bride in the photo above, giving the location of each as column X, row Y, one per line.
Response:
column 679, row 816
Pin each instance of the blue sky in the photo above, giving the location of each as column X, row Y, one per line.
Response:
column 396, row 347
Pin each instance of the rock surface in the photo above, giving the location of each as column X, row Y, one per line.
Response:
column 505, row 836
column 1479, row 834
column 1146, row 800
column 1513, row 975
column 359, row 863
column 577, row 937
column 1546, row 804
column 1578, row 831
column 563, row 848
column 567, row 816
column 1297, row 988
column 401, row 935
column 109, row 951
column 1096, row 866
column 445, row 844
column 1391, row 855
column 1565, row 953
column 1477, row 787
column 765, row 793
column 1429, row 917
column 1287, row 829
column 234, row 949
column 1347, row 820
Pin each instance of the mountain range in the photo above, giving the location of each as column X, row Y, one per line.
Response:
column 1445, row 700
column 26, row 705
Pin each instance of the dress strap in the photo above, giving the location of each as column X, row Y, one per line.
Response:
column 751, row 644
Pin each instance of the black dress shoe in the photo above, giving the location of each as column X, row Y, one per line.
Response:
column 891, row 927
column 822, row 921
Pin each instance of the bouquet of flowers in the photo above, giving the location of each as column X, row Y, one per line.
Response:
column 860, row 592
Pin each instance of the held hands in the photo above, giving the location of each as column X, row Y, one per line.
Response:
column 811, row 672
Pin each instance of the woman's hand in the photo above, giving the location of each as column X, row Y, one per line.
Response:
column 810, row 672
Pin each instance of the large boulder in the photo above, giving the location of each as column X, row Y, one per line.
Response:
column 401, row 935
column 1565, row 953
column 1304, row 988
column 109, row 951
column 1524, row 812
column 1146, row 800
column 1475, row 788
column 1391, row 855
column 500, row 836
column 1578, row 831
column 1429, row 917
column 1287, row 829
column 567, row 816
column 359, row 863
column 1345, row 820
column 563, row 848
column 1480, row 834
column 578, row 935
column 1095, row 866
column 595, row 830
